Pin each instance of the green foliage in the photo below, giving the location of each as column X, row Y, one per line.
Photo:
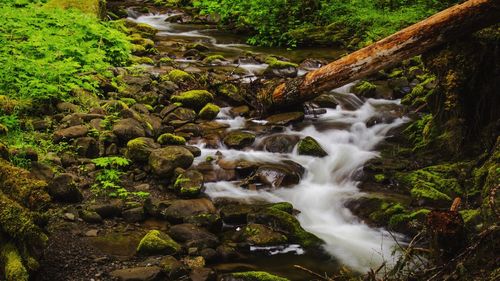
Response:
column 45, row 53
column 345, row 22
column 108, row 179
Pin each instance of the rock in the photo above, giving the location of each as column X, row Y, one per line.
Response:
column 190, row 129
column 164, row 161
column 261, row 235
column 108, row 210
column 195, row 99
column 64, row 189
column 139, row 149
column 193, row 149
column 326, row 101
column 172, row 267
column 90, row 216
column 157, row 243
column 199, row 47
column 212, row 222
column 239, row 140
column 41, row 171
column 231, row 93
column 189, row 184
column 181, row 209
column 134, row 215
column 309, row 146
column 286, row 173
column 69, row 217
column 281, row 143
column 280, row 69
column 150, row 273
column 171, row 139
column 180, row 116
column 87, row 147
column 92, row 233
column 202, row 274
column 70, row 133
column 193, row 236
column 178, row 76
column 251, row 276
column 236, row 213
column 242, row 110
column 128, row 129
column 209, row 111
column 65, row 107
column 4, row 151
column 194, row 262
column 285, row 119
column 169, row 109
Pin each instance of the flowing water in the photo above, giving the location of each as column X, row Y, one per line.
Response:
column 329, row 182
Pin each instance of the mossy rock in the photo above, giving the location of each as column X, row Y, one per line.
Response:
column 252, row 276
column 171, row 139
column 209, row 111
column 275, row 63
column 239, row 140
column 139, row 149
column 157, row 243
column 365, row 89
column 164, row 161
column 146, row 30
column 14, row 268
column 142, row 60
column 178, row 76
column 195, row 99
column 261, row 235
column 309, row 146
column 167, row 61
column 189, row 184
column 285, row 119
column 230, row 92
column 211, row 59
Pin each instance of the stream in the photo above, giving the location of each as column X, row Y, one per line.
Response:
column 347, row 135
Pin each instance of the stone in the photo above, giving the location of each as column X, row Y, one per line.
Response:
column 281, row 143
column 236, row 213
column 128, row 129
column 195, row 99
column 194, row 262
column 134, row 215
column 280, row 69
column 70, row 133
column 150, row 273
column 65, row 107
column 41, row 171
column 172, row 267
column 285, row 119
column 239, row 140
column 87, row 147
column 193, row 236
column 156, row 242
column 242, row 110
column 164, row 161
column 202, row 274
column 309, row 146
column 171, row 139
column 209, row 112
column 108, row 210
column 90, row 216
column 139, row 149
column 326, row 101
column 261, row 235
column 63, row 188
column 180, row 116
column 251, row 276
column 282, row 174
column 189, row 184
column 69, row 216
column 181, row 209
column 92, row 233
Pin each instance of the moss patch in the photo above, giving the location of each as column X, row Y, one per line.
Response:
column 257, row 276
column 209, row 111
column 275, row 63
column 178, row 76
column 157, row 243
column 13, row 265
column 309, row 146
column 171, row 139
column 195, row 99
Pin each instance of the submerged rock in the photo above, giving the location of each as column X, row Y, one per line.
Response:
column 157, row 243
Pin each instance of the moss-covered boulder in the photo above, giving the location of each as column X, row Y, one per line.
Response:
column 157, row 243
column 128, row 129
column 252, row 276
column 214, row 59
column 195, row 99
column 281, row 69
column 261, row 235
column 209, row 112
column 311, row 147
column 365, row 89
column 171, row 139
column 189, row 184
column 239, row 139
column 139, row 149
column 13, row 266
column 285, row 119
column 231, row 92
column 164, row 161
column 63, row 188
column 178, row 76
column 180, row 116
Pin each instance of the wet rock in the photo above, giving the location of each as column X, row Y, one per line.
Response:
column 285, row 119
column 203, row 274
column 182, row 114
column 171, row 139
column 139, row 149
column 239, row 140
column 212, row 222
column 70, row 133
column 195, row 99
column 280, row 69
column 251, row 276
column 87, row 147
column 151, row 273
column 181, row 209
column 239, row 111
column 281, row 143
column 261, row 235
column 172, row 267
column 90, row 216
column 199, row 47
column 193, row 149
column 209, row 112
column 193, row 236
column 156, row 242
column 134, row 215
column 128, row 129
column 189, row 184
column 164, row 161
column 63, row 188
column 286, row 173
column 231, row 93
column 169, row 109
column 326, row 101
column 236, row 213
column 190, row 129
column 309, row 146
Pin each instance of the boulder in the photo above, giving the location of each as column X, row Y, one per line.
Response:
column 70, row 133
column 209, row 112
column 189, row 184
column 179, row 117
column 150, row 273
column 195, row 99
column 193, row 236
column 87, row 147
column 63, row 188
column 285, row 119
column 139, row 149
column 182, row 209
column 171, row 139
column 286, row 173
column 309, row 146
column 164, row 161
column 239, row 140
column 134, row 215
column 156, row 242
column 172, row 267
column 128, row 129
column 280, row 143
column 261, row 235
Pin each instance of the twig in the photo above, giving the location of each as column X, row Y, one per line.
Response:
column 313, row 273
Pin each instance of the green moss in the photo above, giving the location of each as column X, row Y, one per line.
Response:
column 282, row 206
column 178, row 76
column 145, row 29
column 309, row 146
column 379, row 178
column 128, row 101
column 189, row 184
column 238, row 140
column 278, row 64
column 399, row 220
column 171, row 139
column 209, row 111
column 157, row 243
column 365, row 88
column 257, row 276
column 13, row 265
column 142, row 60
column 92, row 7
column 139, row 149
column 212, row 58
column 195, row 99
column 167, row 61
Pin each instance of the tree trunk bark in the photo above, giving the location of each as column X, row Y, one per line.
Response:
column 413, row 40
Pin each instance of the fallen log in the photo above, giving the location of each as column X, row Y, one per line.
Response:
column 444, row 26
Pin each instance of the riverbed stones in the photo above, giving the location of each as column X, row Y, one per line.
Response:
column 189, row 184
column 164, row 161
column 150, row 273
column 261, row 235
column 193, row 236
column 282, row 174
column 70, row 133
column 63, row 188
column 309, row 146
column 139, row 149
column 280, row 69
column 239, row 139
column 128, row 129
column 281, row 143
column 179, row 117
column 195, row 99
column 156, row 242
column 209, row 112
column 87, row 147
column 182, row 209
column 285, row 119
